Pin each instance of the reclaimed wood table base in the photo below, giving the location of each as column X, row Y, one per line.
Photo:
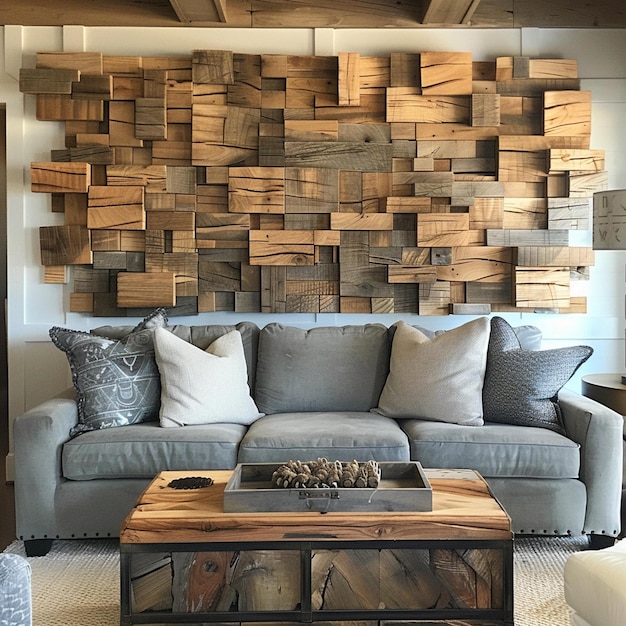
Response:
column 183, row 560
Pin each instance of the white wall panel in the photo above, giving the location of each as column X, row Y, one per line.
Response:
column 34, row 307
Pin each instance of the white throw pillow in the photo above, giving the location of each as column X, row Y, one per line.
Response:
column 203, row 386
column 439, row 379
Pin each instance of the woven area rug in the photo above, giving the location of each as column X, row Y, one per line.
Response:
column 77, row 583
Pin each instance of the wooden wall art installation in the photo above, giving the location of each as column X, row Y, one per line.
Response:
column 423, row 183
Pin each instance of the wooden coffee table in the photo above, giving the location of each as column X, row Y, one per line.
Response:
column 183, row 560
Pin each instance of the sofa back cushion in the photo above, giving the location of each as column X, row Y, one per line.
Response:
column 203, row 337
column 339, row 368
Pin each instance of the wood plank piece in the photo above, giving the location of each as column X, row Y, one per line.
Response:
column 462, row 509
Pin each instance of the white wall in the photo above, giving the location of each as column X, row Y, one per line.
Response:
column 37, row 369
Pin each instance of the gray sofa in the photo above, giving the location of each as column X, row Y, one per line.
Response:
column 317, row 389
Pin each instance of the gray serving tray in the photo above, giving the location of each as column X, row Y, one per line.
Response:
column 403, row 487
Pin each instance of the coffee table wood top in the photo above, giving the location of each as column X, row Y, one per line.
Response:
column 463, row 508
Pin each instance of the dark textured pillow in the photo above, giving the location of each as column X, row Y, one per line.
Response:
column 116, row 380
column 521, row 386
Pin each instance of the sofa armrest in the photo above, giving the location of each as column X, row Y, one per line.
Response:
column 39, row 435
column 599, row 432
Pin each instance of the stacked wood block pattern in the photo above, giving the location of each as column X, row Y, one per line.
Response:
column 422, row 183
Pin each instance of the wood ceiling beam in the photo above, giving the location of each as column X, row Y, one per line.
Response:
column 449, row 11
column 190, row 11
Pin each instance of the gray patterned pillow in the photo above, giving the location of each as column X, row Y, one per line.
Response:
column 116, row 380
column 521, row 386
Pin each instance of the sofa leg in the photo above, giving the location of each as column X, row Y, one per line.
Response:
column 597, row 542
column 37, row 547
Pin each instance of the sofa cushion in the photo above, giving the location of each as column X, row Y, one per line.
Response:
column 203, row 386
column 494, row 449
column 203, row 336
column 439, row 378
column 322, row 369
column 143, row 450
column 343, row 436
column 116, row 380
column 521, row 386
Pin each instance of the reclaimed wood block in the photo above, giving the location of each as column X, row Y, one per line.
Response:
column 154, row 83
column 60, row 177
column 349, row 79
column 555, row 256
column 486, row 213
column 525, row 213
column 516, row 238
column 562, row 160
column 55, row 274
column 404, row 70
column 339, row 155
column 311, row 190
column 122, row 124
column 222, row 227
column 132, row 240
column 585, row 184
column 361, row 221
column 41, row 80
column 443, row 229
column 181, row 180
column 256, row 190
column 463, row 308
column 446, row 73
column 127, row 87
column 569, row 213
column 567, row 113
column 89, row 280
column 81, row 303
column 262, row 253
column 105, row 240
column 355, row 304
column 93, row 87
column 433, row 298
column 273, row 289
column 475, row 269
column 64, row 245
column 61, row 108
column 218, row 276
column 171, row 220
column 485, row 109
column 213, row 67
column 375, row 74
column 116, row 207
column 525, row 166
column 370, row 111
column 150, row 118
column 94, row 155
column 411, row 274
column 75, row 209
column 552, row 68
column 152, row 177
column 146, row 289
column 405, row 104
column 542, row 287
column 84, row 62
column 171, row 152
column 311, row 130
column 411, row 204
column 109, row 260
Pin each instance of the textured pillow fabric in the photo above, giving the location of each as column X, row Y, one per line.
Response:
column 438, row 379
column 116, row 380
column 203, row 386
column 521, row 386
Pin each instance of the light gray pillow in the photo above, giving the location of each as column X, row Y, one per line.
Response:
column 203, row 386
column 437, row 379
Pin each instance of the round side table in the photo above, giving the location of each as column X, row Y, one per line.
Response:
column 606, row 389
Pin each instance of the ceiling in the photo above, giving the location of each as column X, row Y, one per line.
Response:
column 318, row 13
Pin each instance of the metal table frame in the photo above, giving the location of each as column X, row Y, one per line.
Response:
column 306, row 614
